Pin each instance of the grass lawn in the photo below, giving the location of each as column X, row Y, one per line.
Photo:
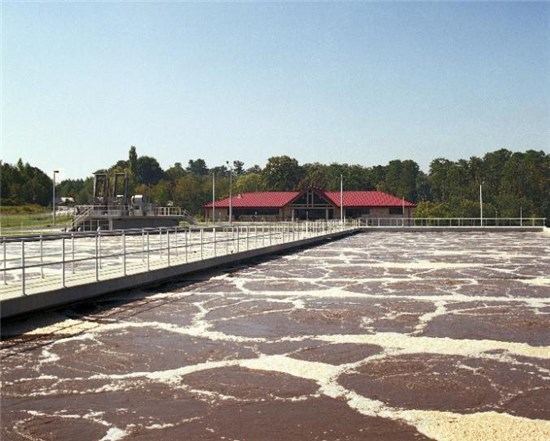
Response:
column 21, row 218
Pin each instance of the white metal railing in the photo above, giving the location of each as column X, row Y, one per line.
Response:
column 34, row 264
column 170, row 211
column 117, row 210
column 82, row 214
column 455, row 222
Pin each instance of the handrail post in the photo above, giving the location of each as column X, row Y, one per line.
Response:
column 72, row 253
column 63, row 261
column 168, row 244
column 148, row 252
column 142, row 245
column 247, row 236
column 186, row 255
column 23, row 267
column 99, row 248
column 41, row 258
column 97, row 257
column 177, row 248
column 226, row 236
column 215, row 243
column 160, row 243
column 5, row 263
column 202, row 239
column 124, row 253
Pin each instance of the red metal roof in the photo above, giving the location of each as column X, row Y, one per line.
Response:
column 280, row 199
column 263, row 199
column 366, row 199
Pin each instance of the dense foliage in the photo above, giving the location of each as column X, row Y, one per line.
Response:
column 24, row 184
column 511, row 182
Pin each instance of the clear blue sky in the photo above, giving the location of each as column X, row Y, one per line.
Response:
column 362, row 83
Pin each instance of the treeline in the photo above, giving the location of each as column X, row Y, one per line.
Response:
column 511, row 182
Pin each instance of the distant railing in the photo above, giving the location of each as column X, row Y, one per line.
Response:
column 170, row 211
column 129, row 210
column 455, row 222
column 35, row 264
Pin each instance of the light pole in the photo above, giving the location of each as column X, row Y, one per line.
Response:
column 230, row 193
column 53, row 197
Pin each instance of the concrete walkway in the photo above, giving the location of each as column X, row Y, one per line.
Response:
column 48, row 292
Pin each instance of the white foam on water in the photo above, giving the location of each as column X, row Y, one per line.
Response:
column 320, row 372
column 212, row 395
column 448, row 426
column 443, row 426
column 537, row 281
column 426, row 318
column 406, row 344
column 167, row 425
column 65, row 326
column 299, row 304
column 420, row 265
column 169, row 376
column 114, row 434
column 342, row 293
column 47, row 357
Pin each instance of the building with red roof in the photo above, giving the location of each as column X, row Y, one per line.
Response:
column 309, row 204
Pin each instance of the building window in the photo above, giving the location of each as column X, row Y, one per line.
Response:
column 396, row 210
column 255, row 211
column 355, row 212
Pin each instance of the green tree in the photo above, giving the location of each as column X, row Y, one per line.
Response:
column 161, row 193
column 250, row 182
column 175, row 172
column 133, row 160
column 149, row 171
column 400, row 179
column 192, row 192
column 282, row 173
column 238, row 168
column 426, row 209
column 314, row 176
column 197, row 167
column 254, row 169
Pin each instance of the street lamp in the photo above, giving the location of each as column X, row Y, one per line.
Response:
column 53, row 197
column 230, row 193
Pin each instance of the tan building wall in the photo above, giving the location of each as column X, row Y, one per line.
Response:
column 286, row 214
